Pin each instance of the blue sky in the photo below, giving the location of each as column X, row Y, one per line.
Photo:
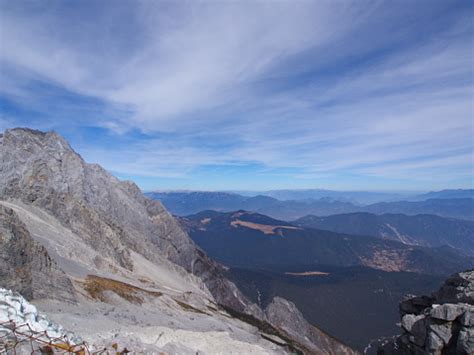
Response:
column 209, row 95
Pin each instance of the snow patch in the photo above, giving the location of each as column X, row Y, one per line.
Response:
column 18, row 312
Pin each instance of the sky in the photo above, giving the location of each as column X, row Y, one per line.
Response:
column 251, row 95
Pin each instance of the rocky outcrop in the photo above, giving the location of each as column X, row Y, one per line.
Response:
column 439, row 324
column 284, row 315
column 458, row 288
column 93, row 224
column 26, row 266
column 111, row 216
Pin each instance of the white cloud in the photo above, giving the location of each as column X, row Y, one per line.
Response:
column 204, row 71
column 188, row 58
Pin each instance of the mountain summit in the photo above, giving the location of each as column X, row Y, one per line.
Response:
column 96, row 254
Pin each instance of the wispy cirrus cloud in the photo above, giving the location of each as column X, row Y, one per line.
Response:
column 306, row 89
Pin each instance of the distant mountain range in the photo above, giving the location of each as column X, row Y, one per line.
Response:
column 462, row 208
column 336, row 279
column 252, row 240
column 356, row 197
column 185, row 203
column 458, row 193
column 115, row 265
column 423, row 229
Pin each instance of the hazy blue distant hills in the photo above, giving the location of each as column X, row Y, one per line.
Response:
column 462, row 208
column 356, row 197
column 423, row 229
column 251, row 240
column 185, row 203
column 443, row 194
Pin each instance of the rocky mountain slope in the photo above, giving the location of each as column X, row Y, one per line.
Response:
column 424, row 229
column 41, row 171
column 25, row 265
column 442, row 323
column 249, row 240
column 90, row 249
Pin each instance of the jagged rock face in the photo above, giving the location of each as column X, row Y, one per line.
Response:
column 440, row 324
column 458, row 288
column 284, row 315
column 93, row 224
column 26, row 266
column 111, row 216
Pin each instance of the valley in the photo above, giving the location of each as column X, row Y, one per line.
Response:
column 315, row 285
column 348, row 285
column 355, row 304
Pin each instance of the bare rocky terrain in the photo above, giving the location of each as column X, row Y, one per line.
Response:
column 442, row 323
column 113, row 266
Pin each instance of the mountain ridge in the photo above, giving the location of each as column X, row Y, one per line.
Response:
column 121, row 251
column 422, row 229
column 186, row 203
column 249, row 239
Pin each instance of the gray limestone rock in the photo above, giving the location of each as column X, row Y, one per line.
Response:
column 25, row 265
column 445, row 327
column 457, row 288
column 467, row 318
column 465, row 343
column 284, row 315
column 443, row 330
column 40, row 170
column 408, row 320
column 112, row 216
column 434, row 343
column 419, row 331
column 447, row 312
column 415, row 304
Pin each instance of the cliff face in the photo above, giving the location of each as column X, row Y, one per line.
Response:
column 442, row 323
column 109, row 256
column 284, row 315
column 26, row 266
column 42, row 170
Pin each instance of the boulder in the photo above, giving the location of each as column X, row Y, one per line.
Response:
column 415, row 304
column 447, row 312
column 465, row 343
column 467, row 318
column 442, row 330
column 434, row 343
column 418, row 331
column 408, row 320
column 437, row 325
column 457, row 288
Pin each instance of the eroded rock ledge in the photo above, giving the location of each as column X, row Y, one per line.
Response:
column 442, row 323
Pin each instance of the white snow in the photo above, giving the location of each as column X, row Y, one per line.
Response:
column 25, row 316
